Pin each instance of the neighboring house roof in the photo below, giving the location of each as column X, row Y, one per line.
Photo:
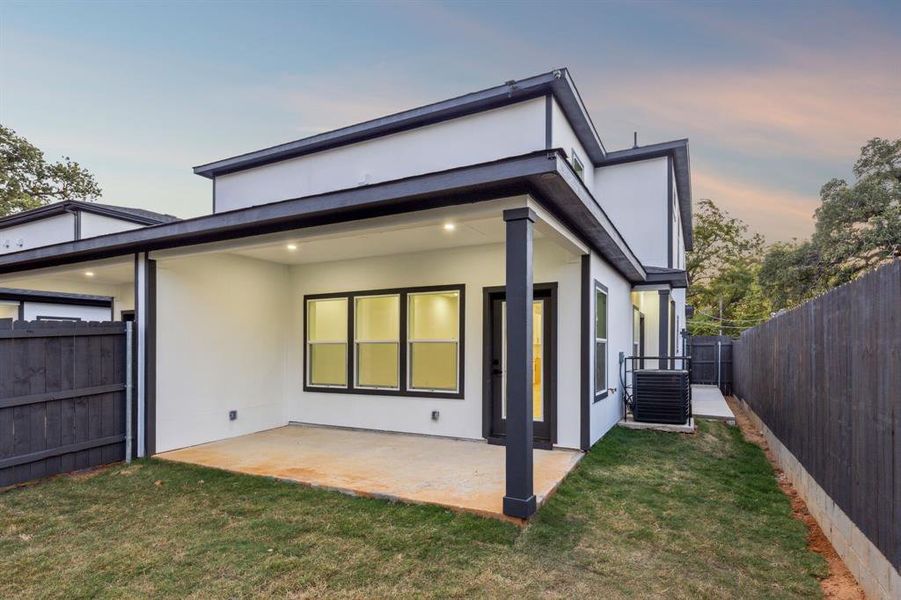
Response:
column 547, row 173
column 133, row 215
column 557, row 82
column 678, row 150
column 677, row 278
column 54, row 297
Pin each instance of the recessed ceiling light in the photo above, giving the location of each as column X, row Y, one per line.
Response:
column 291, row 246
column 449, row 227
column 89, row 273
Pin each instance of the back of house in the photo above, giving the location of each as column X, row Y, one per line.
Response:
column 404, row 274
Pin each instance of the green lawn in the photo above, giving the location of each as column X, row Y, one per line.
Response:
column 645, row 514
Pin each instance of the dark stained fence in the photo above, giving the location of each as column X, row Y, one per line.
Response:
column 826, row 380
column 711, row 361
column 62, row 397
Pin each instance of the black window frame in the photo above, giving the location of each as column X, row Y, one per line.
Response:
column 601, row 393
column 403, row 341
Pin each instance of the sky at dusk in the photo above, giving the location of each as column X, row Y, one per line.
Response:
column 776, row 98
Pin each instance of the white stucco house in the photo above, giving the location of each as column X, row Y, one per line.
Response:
column 474, row 268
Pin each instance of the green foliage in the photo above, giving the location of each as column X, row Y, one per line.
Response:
column 27, row 180
column 723, row 267
column 858, row 227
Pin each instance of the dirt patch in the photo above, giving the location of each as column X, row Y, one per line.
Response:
column 840, row 583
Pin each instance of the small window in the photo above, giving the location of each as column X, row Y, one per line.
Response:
column 377, row 341
column 578, row 167
column 434, row 340
column 327, row 342
column 600, row 341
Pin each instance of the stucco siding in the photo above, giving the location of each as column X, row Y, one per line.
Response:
column 491, row 135
column 93, row 225
column 634, row 196
column 52, row 230
column 605, row 413
column 221, row 327
column 477, row 268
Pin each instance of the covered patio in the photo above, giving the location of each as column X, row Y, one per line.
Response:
column 462, row 475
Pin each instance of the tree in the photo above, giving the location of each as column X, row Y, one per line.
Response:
column 27, row 180
column 858, row 227
column 723, row 269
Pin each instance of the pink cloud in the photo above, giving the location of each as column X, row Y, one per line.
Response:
column 777, row 214
column 815, row 112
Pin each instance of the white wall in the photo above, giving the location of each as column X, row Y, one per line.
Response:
column 477, row 268
column 679, row 296
column 33, row 310
column 606, row 412
column 563, row 136
column 94, row 225
column 634, row 196
column 52, row 230
column 491, row 135
column 648, row 302
column 221, row 327
column 122, row 294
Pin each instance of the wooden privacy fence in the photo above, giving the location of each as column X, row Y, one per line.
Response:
column 711, row 361
column 62, row 397
column 825, row 378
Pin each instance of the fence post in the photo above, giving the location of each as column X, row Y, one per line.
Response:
column 719, row 364
column 128, row 390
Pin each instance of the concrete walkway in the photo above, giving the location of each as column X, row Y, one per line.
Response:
column 708, row 403
column 457, row 474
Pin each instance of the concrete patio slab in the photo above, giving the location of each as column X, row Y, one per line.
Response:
column 708, row 403
column 457, row 474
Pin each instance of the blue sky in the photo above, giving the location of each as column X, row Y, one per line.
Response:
column 776, row 98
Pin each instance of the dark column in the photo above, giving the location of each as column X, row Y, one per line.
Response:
column 664, row 328
column 520, row 499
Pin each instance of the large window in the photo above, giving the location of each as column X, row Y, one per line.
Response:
column 600, row 341
column 434, row 336
column 327, row 342
column 391, row 342
column 377, row 341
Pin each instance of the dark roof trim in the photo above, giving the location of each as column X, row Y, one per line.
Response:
column 675, row 278
column 21, row 295
column 132, row 215
column 557, row 82
column 678, row 150
column 546, row 175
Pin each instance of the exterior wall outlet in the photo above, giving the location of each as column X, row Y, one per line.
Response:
column 435, row 415
column 232, row 415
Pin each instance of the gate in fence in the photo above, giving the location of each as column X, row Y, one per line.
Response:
column 63, row 390
column 711, row 361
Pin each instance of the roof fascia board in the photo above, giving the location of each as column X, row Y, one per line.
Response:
column 469, row 184
column 68, row 206
column 54, row 297
column 495, row 97
column 557, row 82
column 546, row 175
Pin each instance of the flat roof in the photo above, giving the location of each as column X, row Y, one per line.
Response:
column 546, row 175
column 557, row 82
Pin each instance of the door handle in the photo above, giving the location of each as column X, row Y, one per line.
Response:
column 497, row 372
